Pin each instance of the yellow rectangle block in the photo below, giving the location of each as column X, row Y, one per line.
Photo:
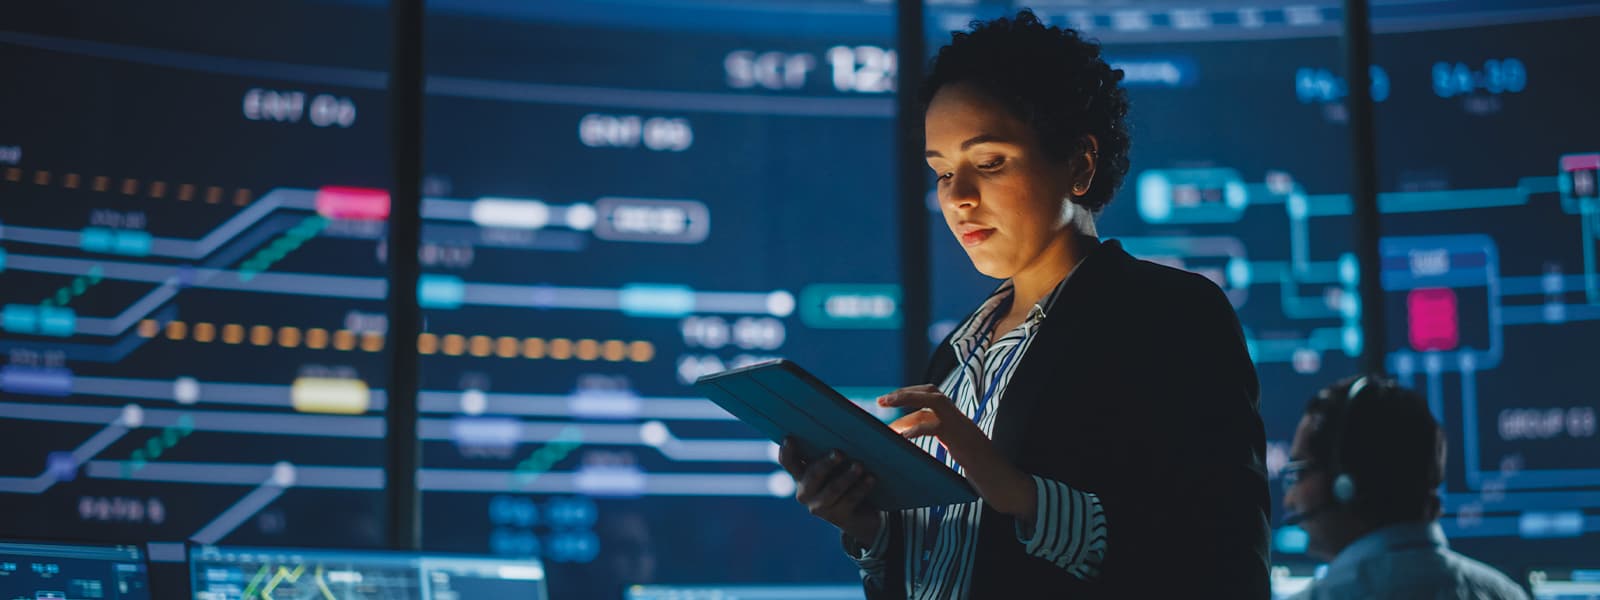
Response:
column 328, row 395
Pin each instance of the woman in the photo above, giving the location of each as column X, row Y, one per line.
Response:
column 1103, row 407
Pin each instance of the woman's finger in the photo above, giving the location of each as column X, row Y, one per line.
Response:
column 836, row 488
column 917, row 424
column 857, row 493
column 915, row 399
column 816, row 477
column 789, row 457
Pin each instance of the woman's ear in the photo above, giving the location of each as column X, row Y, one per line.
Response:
column 1087, row 162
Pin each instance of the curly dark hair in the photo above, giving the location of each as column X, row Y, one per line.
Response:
column 1052, row 79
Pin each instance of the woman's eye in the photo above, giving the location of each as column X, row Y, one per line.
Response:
column 993, row 164
column 946, row 175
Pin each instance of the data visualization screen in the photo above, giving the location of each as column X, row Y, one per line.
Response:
column 193, row 297
column 50, row 571
column 1487, row 180
column 232, row 573
column 616, row 206
column 622, row 195
column 1564, row 584
column 1487, row 160
column 194, row 305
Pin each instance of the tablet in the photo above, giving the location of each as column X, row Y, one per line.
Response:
column 780, row 399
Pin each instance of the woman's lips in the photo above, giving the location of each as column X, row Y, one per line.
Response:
column 975, row 237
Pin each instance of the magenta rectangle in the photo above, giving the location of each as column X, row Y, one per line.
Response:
column 1579, row 162
column 353, row 203
column 1433, row 322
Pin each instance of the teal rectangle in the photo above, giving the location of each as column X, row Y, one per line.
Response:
column 440, row 291
column 656, row 300
column 96, row 239
column 2, row 260
column 851, row 306
column 58, row 322
column 20, row 318
column 132, row 243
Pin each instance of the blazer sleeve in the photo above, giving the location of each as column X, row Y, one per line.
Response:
column 1194, row 505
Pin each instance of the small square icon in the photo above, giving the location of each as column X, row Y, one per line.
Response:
column 1432, row 319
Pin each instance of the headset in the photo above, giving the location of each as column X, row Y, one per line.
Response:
column 1345, row 490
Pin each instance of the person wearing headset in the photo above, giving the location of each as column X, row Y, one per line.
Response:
column 1363, row 479
column 1104, row 407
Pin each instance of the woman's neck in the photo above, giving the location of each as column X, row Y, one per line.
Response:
column 1035, row 281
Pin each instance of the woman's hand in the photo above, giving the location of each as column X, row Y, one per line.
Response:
column 1002, row 485
column 834, row 489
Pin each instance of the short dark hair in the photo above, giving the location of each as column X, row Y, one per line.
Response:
column 1388, row 442
column 1052, row 79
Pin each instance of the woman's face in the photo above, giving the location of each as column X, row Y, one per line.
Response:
column 1003, row 199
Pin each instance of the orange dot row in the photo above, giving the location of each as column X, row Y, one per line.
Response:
column 452, row 344
column 131, row 187
column 535, row 348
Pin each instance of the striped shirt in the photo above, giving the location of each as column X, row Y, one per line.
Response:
column 1069, row 528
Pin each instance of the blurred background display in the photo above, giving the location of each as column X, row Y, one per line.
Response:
column 622, row 195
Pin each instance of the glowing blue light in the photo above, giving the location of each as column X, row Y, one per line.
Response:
column 1155, row 197
column 1352, row 341
column 1238, row 272
column 1349, row 269
column 642, row 300
column 1291, row 540
column 440, row 291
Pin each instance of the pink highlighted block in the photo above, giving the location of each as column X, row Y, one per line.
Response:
column 1580, row 162
column 353, row 203
column 1433, row 321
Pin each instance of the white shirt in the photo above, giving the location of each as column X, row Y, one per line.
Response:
column 1069, row 528
column 1409, row 561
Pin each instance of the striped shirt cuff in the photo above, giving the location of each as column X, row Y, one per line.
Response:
column 1069, row 530
column 870, row 559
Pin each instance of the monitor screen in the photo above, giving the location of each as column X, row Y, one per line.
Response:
column 231, row 573
column 745, row 592
column 1291, row 579
column 63, row 571
column 1564, row 584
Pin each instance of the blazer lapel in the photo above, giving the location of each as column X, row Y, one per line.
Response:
column 1058, row 344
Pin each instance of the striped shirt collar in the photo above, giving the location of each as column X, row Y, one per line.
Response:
column 1001, row 298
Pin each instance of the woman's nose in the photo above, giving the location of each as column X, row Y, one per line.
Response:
column 962, row 191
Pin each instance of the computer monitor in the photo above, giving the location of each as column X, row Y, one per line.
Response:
column 746, row 592
column 1564, row 584
column 51, row 571
column 236, row 573
column 1290, row 579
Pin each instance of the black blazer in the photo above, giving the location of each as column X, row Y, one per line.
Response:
column 1138, row 389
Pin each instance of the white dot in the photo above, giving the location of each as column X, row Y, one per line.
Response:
column 1297, row 206
column 780, row 483
column 581, row 217
column 654, row 433
column 186, row 390
column 133, row 416
column 283, row 474
column 474, row 402
column 780, row 303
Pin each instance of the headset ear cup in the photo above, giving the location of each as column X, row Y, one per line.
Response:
column 1344, row 488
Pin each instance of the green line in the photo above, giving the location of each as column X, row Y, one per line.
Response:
column 250, row 590
column 74, row 288
column 281, row 247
